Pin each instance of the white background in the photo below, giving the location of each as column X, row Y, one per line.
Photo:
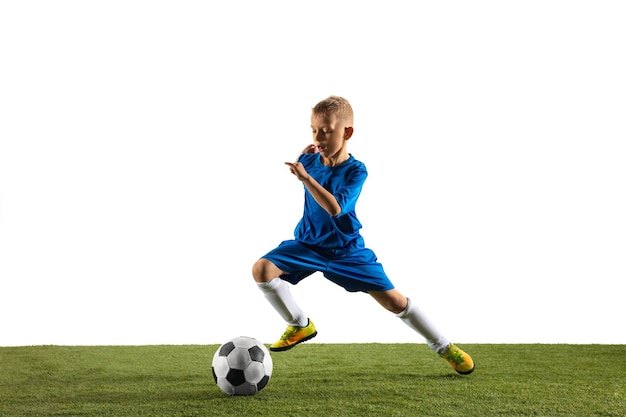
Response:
column 142, row 150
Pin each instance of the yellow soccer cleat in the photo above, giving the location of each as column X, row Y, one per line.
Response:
column 460, row 361
column 294, row 335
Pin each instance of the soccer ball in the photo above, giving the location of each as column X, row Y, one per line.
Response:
column 242, row 366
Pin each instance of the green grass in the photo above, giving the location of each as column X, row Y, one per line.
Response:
column 316, row 380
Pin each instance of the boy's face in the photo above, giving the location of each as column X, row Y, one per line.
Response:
column 330, row 135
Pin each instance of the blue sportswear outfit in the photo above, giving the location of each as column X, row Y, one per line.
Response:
column 331, row 244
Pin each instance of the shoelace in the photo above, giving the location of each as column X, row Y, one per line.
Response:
column 289, row 332
column 456, row 357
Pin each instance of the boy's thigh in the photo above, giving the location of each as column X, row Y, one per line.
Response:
column 296, row 260
column 359, row 271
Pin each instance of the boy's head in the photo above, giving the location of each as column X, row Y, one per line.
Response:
column 331, row 123
column 335, row 106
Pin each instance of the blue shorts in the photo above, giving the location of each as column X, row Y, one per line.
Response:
column 354, row 269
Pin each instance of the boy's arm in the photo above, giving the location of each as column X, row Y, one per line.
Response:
column 324, row 198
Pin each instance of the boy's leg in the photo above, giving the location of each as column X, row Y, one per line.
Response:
column 413, row 317
column 276, row 291
column 279, row 296
column 395, row 302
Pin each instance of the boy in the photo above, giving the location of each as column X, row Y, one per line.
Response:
column 327, row 239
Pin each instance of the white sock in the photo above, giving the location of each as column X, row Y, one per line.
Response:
column 278, row 294
column 416, row 320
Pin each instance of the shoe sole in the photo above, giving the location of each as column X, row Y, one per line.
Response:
column 284, row 348
column 467, row 372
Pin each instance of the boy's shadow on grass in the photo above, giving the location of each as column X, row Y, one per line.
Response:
column 445, row 376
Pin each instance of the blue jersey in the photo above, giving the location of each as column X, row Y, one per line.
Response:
column 343, row 181
column 331, row 244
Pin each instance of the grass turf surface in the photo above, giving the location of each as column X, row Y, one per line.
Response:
column 316, row 380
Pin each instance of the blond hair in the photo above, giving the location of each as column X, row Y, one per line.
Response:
column 337, row 106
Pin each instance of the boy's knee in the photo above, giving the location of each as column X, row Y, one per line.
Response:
column 396, row 306
column 257, row 271
column 262, row 270
column 391, row 300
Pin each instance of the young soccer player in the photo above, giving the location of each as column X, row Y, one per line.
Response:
column 327, row 239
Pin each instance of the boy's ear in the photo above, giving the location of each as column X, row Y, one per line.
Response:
column 348, row 132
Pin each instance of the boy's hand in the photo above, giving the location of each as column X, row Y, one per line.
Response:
column 310, row 149
column 298, row 170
